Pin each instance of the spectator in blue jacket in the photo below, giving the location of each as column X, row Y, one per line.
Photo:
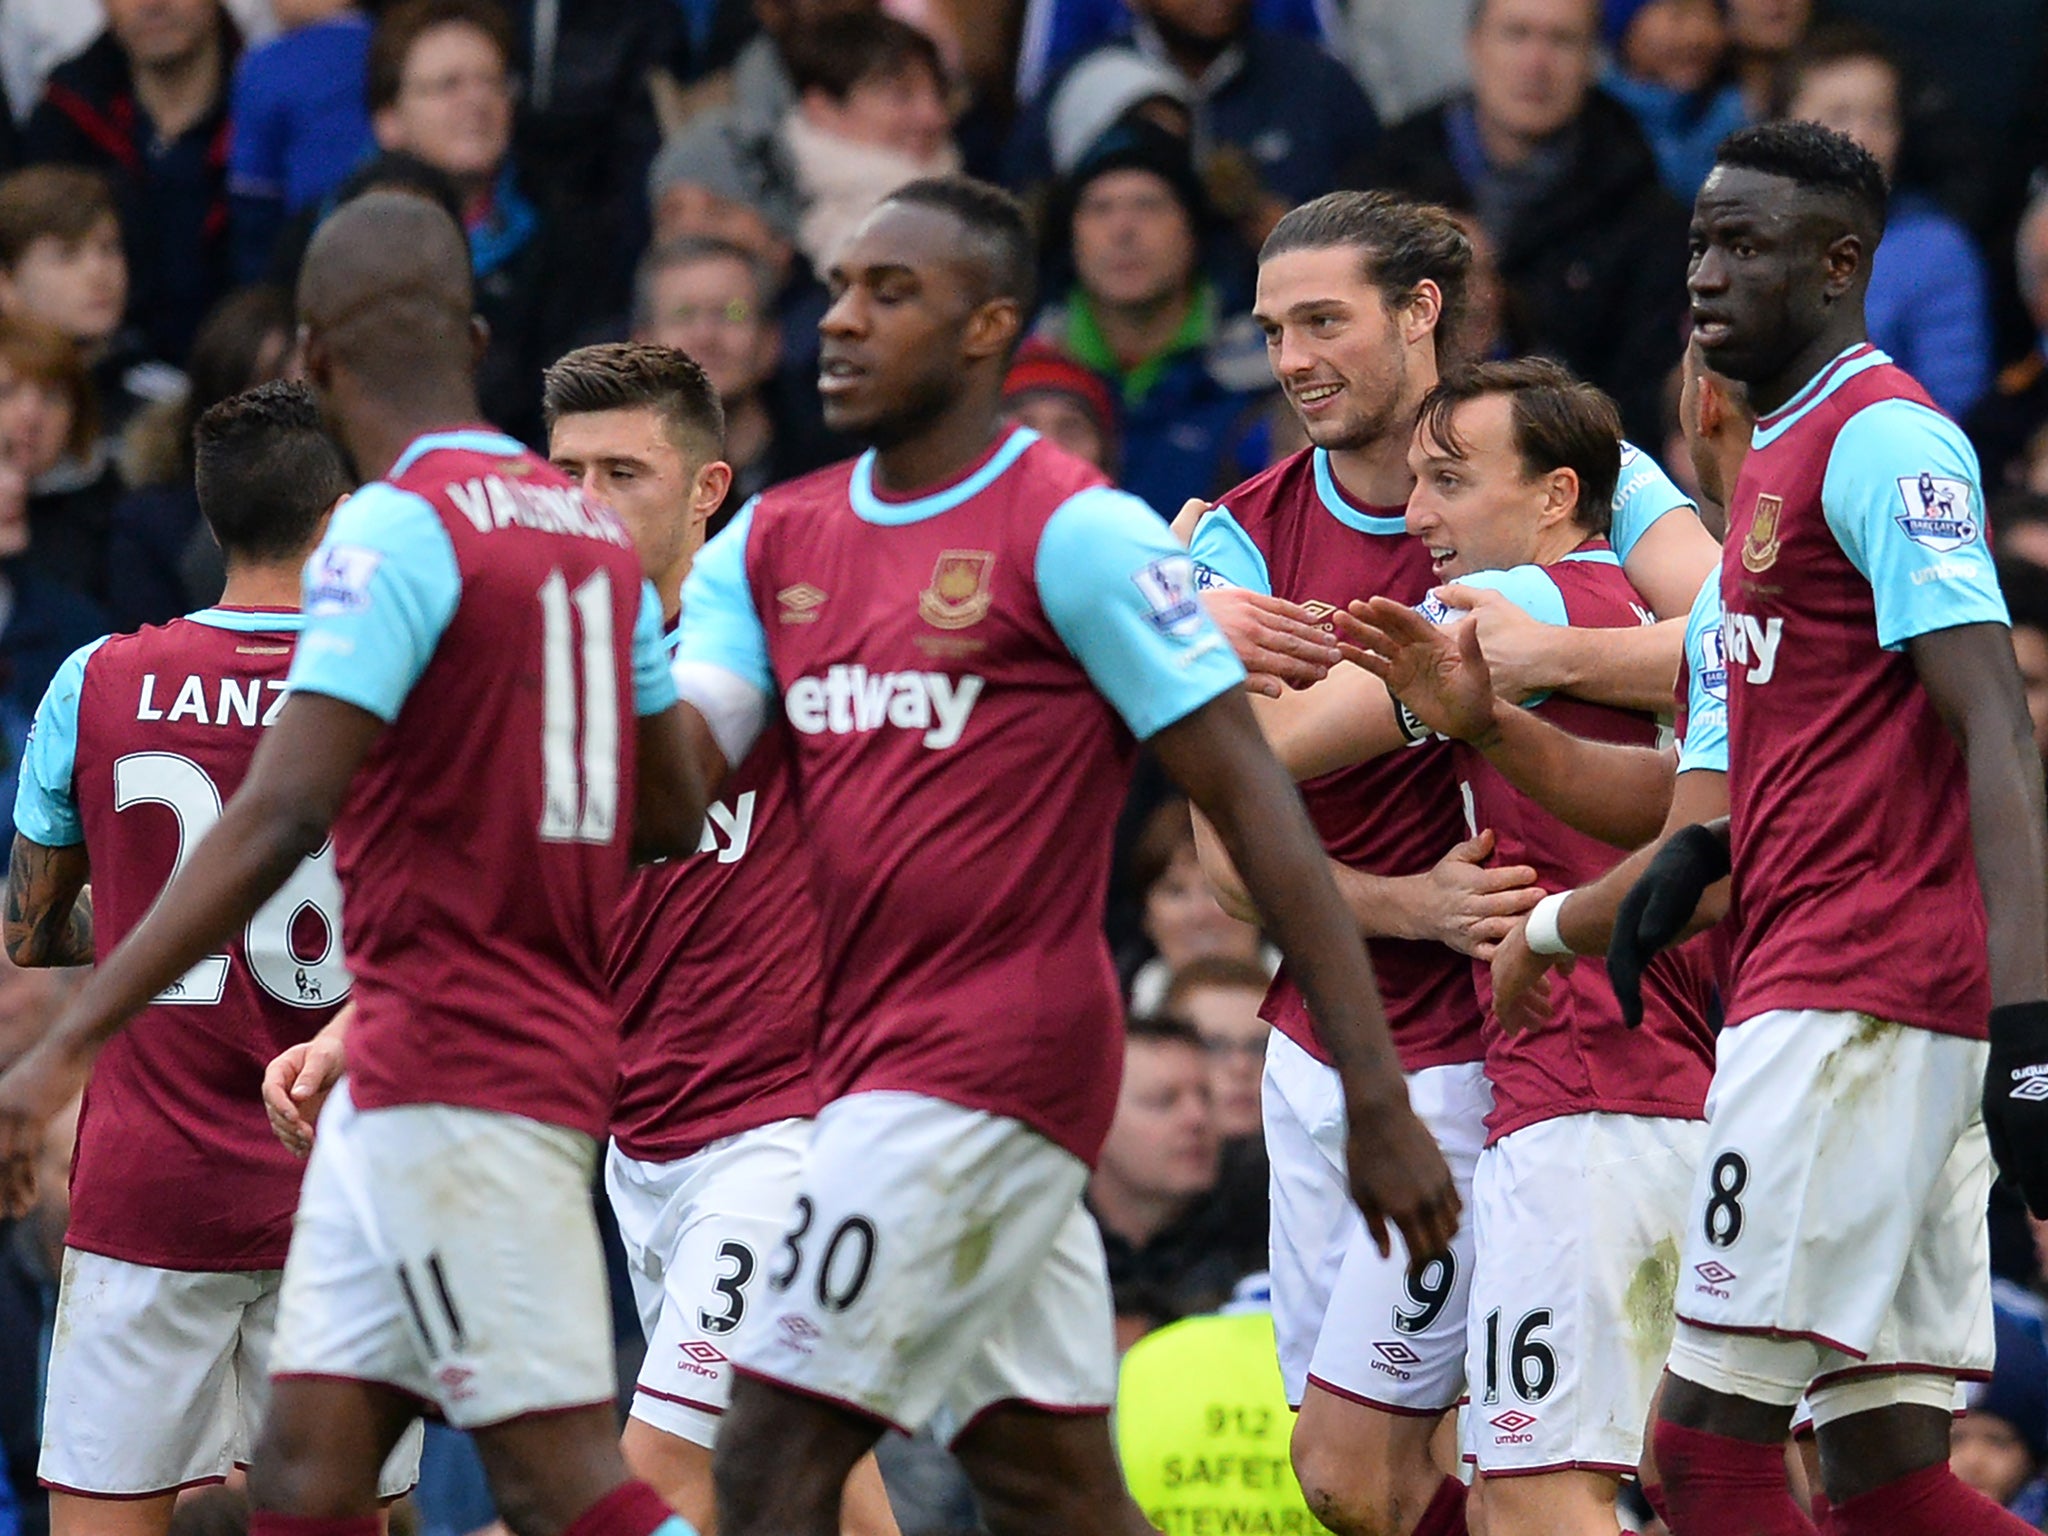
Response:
column 1671, row 69
column 1927, row 305
column 1141, row 313
column 1275, row 116
column 1057, row 32
column 299, row 122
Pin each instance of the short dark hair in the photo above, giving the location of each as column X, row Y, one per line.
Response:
column 405, row 23
column 2025, row 586
column 688, row 251
column 1164, row 1029
column 623, row 375
column 1815, row 159
column 996, row 221
column 60, row 202
column 266, row 471
column 1400, row 242
column 837, row 53
column 1560, row 422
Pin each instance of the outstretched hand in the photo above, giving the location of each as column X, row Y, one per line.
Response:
column 1280, row 645
column 1439, row 672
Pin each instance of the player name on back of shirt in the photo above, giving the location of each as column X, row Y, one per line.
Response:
column 491, row 502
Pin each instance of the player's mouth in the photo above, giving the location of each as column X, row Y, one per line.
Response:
column 1710, row 330
column 836, row 375
column 1441, row 558
column 1315, row 398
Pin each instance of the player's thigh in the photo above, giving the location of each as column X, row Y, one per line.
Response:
column 1355, row 1463
column 481, row 1225
column 727, row 1210
column 546, row 1469
column 322, row 1444
column 77, row 1514
column 677, row 1469
column 1313, row 1222
column 1829, row 1136
column 1035, row 1471
column 916, row 1227
column 1564, row 1503
column 1393, row 1340
column 142, row 1396
column 1577, row 1226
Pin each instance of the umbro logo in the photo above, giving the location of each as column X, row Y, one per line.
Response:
column 1397, row 1353
column 1714, row 1273
column 799, row 604
column 1513, row 1422
column 2031, row 1090
column 798, row 1333
column 702, row 1353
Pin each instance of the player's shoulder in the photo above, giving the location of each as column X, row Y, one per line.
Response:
column 1272, row 490
column 819, row 491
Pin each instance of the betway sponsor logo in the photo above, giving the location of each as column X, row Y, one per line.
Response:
column 1752, row 644
column 849, row 699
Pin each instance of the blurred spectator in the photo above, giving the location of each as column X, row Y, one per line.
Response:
column 1927, row 304
column 1591, row 246
column 2026, row 598
column 2019, row 526
column 1762, row 33
column 1060, row 400
column 871, row 115
column 1057, row 32
column 1220, row 996
column 712, row 181
column 1409, row 54
column 714, row 300
column 2007, row 419
column 299, row 120
column 62, row 262
column 1178, row 913
column 147, row 103
column 394, row 171
column 1104, row 88
column 1672, row 72
column 1276, row 117
column 1142, row 313
column 1202, row 1426
column 2000, row 1446
column 49, row 430
column 441, row 89
column 1154, row 1190
column 162, row 558
column 31, row 1259
column 35, row 37
column 587, row 126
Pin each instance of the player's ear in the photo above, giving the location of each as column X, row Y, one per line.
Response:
column 1423, row 312
column 708, row 490
column 1844, row 260
column 1560, row 495
column 479, row 340
column 993, row 327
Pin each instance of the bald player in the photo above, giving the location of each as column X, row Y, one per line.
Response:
column 479, row 684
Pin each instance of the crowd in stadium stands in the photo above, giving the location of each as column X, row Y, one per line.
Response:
column 679, row 171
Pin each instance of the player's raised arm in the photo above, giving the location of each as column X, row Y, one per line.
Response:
column 1398, row 1175
column 1615, row 792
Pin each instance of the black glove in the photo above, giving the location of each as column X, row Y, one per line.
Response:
column 1657, row 908
column 2016, row 1099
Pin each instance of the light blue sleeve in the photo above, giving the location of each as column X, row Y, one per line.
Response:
column 44, row 810
column 653, row 689
column 720, row 626
column 1225, row 555
column 1121, row 593
column 1528, row 587
column 1643, row 495
column 379, row 594
column 1705, row 743
column 1904, row 499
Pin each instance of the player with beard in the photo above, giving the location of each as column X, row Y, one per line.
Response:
column 968, row 633
column 1356, row 292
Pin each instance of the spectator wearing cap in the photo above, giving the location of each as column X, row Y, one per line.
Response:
column 299, row 121
column 715, row 300
column 1928, row 304
column 2000, row 1446
column 1591, row 246
column 441, row 89
column 1062, row 401
column 1671, row 69
column 1276, row 117
column 1103, row 89
column 146, row 104
column 2015, row 410
column 1141, row 312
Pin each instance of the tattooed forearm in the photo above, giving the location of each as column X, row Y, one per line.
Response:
column 49, row 908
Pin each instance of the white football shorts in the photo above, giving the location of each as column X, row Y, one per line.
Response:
column 159, row 1378
column 451, row 1254
column 938, row 1263
column 1577, row 1221
column 1836, row 1227
column 699, row 1233
column 1351, row 1322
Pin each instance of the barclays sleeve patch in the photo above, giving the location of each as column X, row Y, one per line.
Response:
column 1937, row 514
column 1168, row 588
column 338, row 580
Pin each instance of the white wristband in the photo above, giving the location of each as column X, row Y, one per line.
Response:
column 1542, row 933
